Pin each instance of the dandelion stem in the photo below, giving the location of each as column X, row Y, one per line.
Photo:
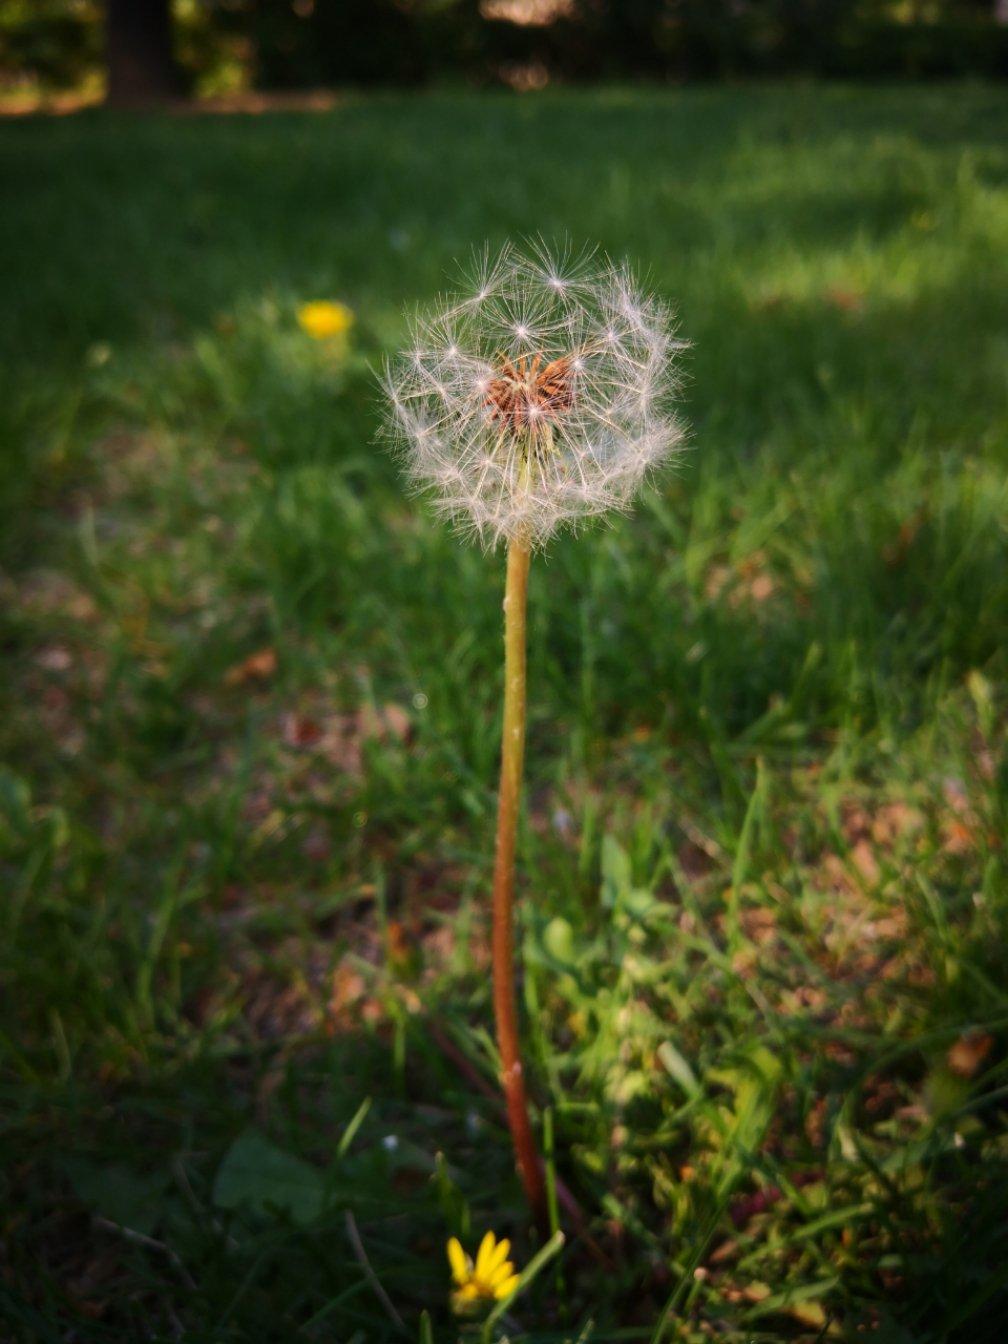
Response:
column 512, row 756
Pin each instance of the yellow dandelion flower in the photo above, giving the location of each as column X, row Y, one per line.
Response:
column 490, row 1279
column 322, row 319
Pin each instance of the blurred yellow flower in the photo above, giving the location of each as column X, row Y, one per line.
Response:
column 323, row 319
column 491, row 1279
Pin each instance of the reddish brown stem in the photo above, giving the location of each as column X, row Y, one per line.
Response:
column 512, row 758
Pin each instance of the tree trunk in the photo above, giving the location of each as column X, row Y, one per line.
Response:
column 140, row 62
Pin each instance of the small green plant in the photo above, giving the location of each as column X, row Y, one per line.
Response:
column 537, row 399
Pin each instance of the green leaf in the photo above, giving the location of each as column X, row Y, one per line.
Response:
column 679, row 1069
column 638, row 903
column 558, row 941
column 618, row 890
column 617, row 875
column 127, row 1198
column 755, row 1080
column 257, row 1176
column 349, row 1134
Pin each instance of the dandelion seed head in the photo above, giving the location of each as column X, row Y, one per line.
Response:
column 538, row 396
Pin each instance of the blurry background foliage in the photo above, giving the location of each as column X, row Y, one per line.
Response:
column 223, row 45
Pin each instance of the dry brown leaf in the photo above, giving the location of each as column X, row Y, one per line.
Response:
column 808, row 1313
column 403, row 949
column 397, row 721
column 717, row 579
column 892, row 821
column 299, row 730
column 761, row 587
column 968, row 1053
column 815, row 1123
column 957, row 837
column 846, row 300
column 759, row 924
column 388, row 722
column 726, row 1251
column 259, row 666
column 348, row 988
column 863, row 859
column 855, row 822
column 744, row 962
column 756, row 1291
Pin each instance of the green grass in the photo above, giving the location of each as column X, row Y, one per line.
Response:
column 763, row 858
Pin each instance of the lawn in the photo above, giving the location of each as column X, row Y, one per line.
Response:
column 250, row 731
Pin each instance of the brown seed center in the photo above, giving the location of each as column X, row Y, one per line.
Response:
column 528, row 394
